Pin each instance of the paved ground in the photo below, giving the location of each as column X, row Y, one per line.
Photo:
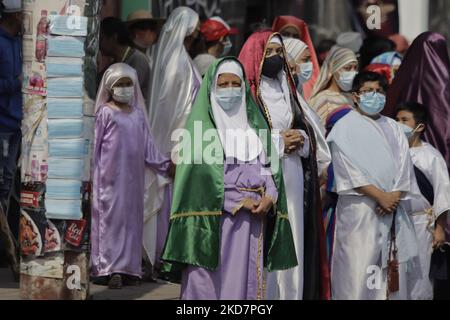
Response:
column 9, row 290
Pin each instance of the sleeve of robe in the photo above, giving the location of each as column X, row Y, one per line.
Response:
column 347, row 176
column 305, row 149
column 102, row 119
column 441, row 185
column 405, row 177
column 153, row 157
column 234, row 198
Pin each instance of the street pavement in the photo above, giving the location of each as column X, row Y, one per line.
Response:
column 9, row 290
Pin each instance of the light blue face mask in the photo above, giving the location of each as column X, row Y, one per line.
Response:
column 63, row 189
column 65, row 88
column 229, row 98
column 306, row 72
column 65, row 168
column 227, row 47
column 345, row 81
column 63, row 209
column 409, row 132
column 65, row 128
column 372, row 103
column 64, row 108
column 66, row 47
column 67, row 148
column 68, row 25
column 64, row 67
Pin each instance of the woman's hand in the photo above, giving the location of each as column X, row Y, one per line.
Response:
column 263, row 207
column 438, row 237
column 293, row 140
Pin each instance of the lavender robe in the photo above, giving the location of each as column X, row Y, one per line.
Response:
column 123, row 148
column 239, row 275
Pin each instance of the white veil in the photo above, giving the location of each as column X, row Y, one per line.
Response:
column 173, row 85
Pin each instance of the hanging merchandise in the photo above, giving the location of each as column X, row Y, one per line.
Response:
column 65, row 128
column 58, row 108
column 68, row 25
column 65, row 88
column 65, row 47
column 60, row 46
column 64, row 67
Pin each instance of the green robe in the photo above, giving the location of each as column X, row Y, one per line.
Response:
column 198, row 197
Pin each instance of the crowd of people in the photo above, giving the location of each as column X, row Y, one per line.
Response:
column 357, row 208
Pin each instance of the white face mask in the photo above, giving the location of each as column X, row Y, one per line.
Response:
column 123, row 94
column 345, row 80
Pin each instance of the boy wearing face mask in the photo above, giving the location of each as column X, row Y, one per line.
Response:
column 375, row 244
column 429, row 211
column 216, row 33
column 123, row 150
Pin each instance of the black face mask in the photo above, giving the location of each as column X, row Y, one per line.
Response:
column 272, row 66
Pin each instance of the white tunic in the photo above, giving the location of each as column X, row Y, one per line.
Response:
column 356, row 270
column 288, row 284
column 432, row 164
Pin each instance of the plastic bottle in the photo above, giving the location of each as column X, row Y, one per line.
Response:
column 41, row 37
column 35, row 169
column 44, row 171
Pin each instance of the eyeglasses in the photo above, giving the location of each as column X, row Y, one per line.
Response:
column 381, row 91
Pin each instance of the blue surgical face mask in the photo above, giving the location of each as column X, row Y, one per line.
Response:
column 65, row 128
column 65, row 168
column 63, row 189
column 345, row 80
column 66, row 47
column 229, row 98
column 65, row 87
column 372, row 103
column 64, row 67
column 64, row 108
column 63, row 209
column 67, row 148
column 227, row 48
column 409, row 132
column 306, row 72
column 68, row 25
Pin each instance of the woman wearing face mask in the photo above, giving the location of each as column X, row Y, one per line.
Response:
column 302, row 68
column 174, row 84
column 123, row 149
column 335, row 82
column 220, row 211
column 295, row 28
column 263, row 57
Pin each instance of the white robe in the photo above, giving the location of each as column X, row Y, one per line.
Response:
column 356, row 269
column 288, row 284
column 432, row 164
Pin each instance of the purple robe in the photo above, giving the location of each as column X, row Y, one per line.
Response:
column 240, row 274
column 123, row 149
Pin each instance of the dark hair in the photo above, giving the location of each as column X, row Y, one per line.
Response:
column 325, row 45
column 374, row 46
column 368, row 76
column 418, row 110
column 143, row 25
column 111, row 26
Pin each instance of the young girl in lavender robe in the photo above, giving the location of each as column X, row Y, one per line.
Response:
column 123, row 150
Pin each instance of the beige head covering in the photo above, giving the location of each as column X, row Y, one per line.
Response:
column 336, row 60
